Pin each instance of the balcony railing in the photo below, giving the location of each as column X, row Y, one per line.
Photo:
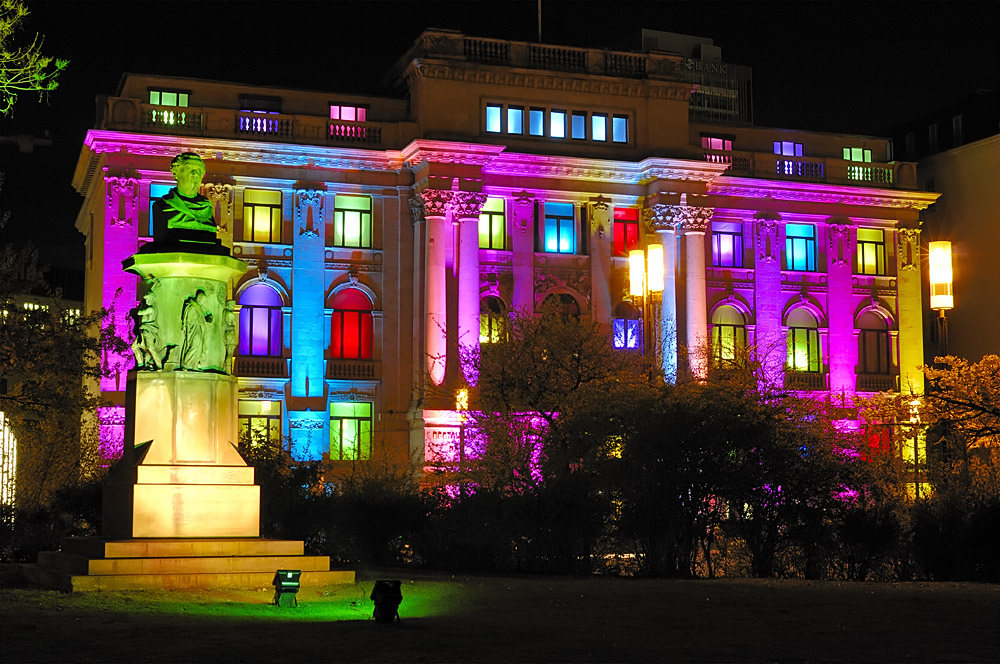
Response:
column 833, row 170
column 261, row 124
column 171, row 118
column 806, row 381
column 877, row 383
column 338, row 369
column 341, row 131
column 262, row 367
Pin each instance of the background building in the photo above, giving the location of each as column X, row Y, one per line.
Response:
column 385, row 233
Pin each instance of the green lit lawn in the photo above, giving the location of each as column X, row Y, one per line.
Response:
column 497, row 619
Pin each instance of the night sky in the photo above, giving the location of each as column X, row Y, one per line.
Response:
column 855, row 67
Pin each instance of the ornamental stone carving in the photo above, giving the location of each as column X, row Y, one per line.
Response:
column 416, row 209
column 524, row 205
column 121, row 200
column 693, row 219
column 767, row 235
column 309, row 424
column 660, row 217
column 467, row 204
column 909, row 248
column 308, row 207
column 554, row 280
column 435, row 202
column 839, row 234
column 221, row 195
column 600, row 215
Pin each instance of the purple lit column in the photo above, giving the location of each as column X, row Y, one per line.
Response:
column 770, row 344
column 695, row 222
column 523, row 241
column 121, row 228
column 465, row 208
column 842, row 346
column 435, row 203
column 660, row 218
column 600, row 259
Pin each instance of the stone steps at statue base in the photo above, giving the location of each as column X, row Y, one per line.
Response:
column 94, row 564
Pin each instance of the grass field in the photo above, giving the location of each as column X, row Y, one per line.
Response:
column 516, row 619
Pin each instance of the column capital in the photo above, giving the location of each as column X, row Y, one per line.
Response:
column 466, row 204
column 660, row 217
column 430, row 203
column 693, row 219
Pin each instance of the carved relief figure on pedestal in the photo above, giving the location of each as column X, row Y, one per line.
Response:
column 183, row 219
column 195, row 321
column 146, row 347
column 229, row 334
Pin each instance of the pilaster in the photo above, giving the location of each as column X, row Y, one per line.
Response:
column 843, row 348
column 601, row 233
column 121, row 240
column 523, row 241
column 911, row 341
column 770, row 345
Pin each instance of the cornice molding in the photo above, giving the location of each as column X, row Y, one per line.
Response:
column 603, row 170
column 821, row 193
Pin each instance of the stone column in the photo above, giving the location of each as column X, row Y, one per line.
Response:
column 770, row 343
column 695, row 221
column 465, row 210
column 435, row 203
column 910, row 312
column 661, row 219
column 121, row 240
column 601, row 234
column 523, row 241
column 842, row 354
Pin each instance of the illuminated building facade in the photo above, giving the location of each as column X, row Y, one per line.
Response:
column 384, row 233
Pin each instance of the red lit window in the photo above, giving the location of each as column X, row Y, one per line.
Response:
column 351, row 334
column 626, row 230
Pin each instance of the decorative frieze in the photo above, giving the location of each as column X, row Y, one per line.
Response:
column 909, row 248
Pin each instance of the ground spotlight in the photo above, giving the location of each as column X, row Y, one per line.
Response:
column 286, row 585
column 387, row 597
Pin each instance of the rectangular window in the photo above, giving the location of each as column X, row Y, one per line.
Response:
column 557, row 124
column 156, row 190
column 599, row 127
column 627, row 333
column 858, row 154
column 788, row 148
column 716, row 143
column 559, row 235
column 803, row 349
column 493, row 112
column 579, row 126
column 348, row 113
column 352, row 221
column 800, row 247
column 626, row 231
column 175, row 99
column 871, row 251
column 260, row 104
column 515, row 120
column 259, row 423
column 261, row 215
column 727, row 244
column 536, row 121
column 350, row 431
column 619, row 129
column 874, row 352
column 729, row 344
column 492, row 225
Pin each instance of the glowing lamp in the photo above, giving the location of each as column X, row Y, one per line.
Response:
column 655, row 271
column 387, row 597
column 636, row 273
column 286, row 585
column 940, row 276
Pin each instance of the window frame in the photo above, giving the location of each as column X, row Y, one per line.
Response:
column 274, row 339
column 365, row 223
column 269, row 421
column 878, row 247
column 275, row 208
column 493, row 319
column 736, row 239
column 489, row 218
column 622, row 249
column 809, row 249
column 363, row 447
column 560, row 221
column 359, row 320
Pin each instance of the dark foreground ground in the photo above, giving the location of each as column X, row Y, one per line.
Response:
column 516, row 619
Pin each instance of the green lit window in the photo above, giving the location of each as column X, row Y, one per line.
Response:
column 800, row 247
column 871, row 251
column 352, row 221
column 174, row 99
column 261, row 215
column 491, row 320
column 858, row 154
column 803, row 342
column 729, row 337
column 350, row 431
column 492, row 225
column 260, row 423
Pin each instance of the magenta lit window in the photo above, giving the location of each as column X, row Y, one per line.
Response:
column 260, row 321
column 348, row 113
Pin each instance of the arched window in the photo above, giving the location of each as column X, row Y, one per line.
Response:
column 491, row 320
column 351, row 334
column 563, row 303
column 260, row 321
column 729, row 336
column 627, row 326
column 873, row 344
column 803, row 341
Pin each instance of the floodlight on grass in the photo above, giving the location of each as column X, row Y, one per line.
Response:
column 286, row 585
column 387, row 597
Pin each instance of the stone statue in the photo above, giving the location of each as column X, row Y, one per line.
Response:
column 146, row 347
column 195, row 321
column 183, row 219
column 230, row 334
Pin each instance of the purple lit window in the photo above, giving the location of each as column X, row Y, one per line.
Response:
column 727, row 244
column 627, row 326
column 788, row 148
column 716, row 143
column 260, row 321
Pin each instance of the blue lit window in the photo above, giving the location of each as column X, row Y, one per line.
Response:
column 515, row 120
column 536, row 122
column 579, row 125
column 788, row 148
column 493, row 118
column 619, row 129
column 155, row 191
column 559, row 235
column 557, row 124
column 599, row 127
column 800, row 247
column 627, row 325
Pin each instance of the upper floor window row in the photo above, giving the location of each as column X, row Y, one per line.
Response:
column 858, row 154
column 716, row 142
column 545, row 122
column 175, row 100
column 788, row 148
column 348, row 112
